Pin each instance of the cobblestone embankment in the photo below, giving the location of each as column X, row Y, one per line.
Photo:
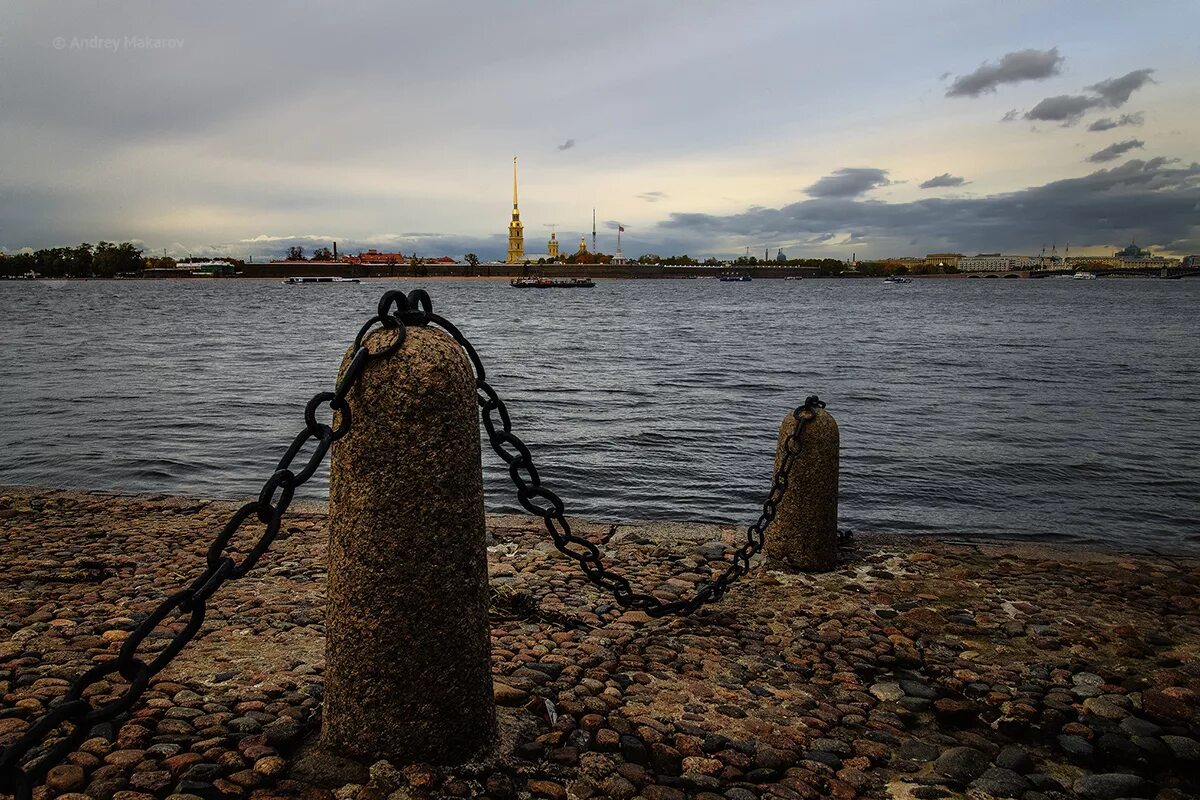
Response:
column 918, row 670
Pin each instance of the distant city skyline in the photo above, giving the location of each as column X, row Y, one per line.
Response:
column 705, row 129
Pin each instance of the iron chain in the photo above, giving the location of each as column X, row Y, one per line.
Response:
column 26, row 761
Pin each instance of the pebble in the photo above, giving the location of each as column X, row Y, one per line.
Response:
column 509, row 695
column 544, row 788
column 633, row 750
column 961, row 765
column 887, row 692
column 1076, row 748
column 1135, row 726
column 1183, row 748
column 1105, row 709
column 917, row 689
column 1016, row 759
column 65, row 778
column 1001, row 782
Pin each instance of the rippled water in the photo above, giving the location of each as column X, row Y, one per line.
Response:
column 1051, row 409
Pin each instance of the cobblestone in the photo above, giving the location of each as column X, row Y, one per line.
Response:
column 1075, row 672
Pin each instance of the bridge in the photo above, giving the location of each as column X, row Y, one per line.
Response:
column 1174, row 273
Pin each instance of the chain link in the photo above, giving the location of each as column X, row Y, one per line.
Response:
column 25, row 762
column 524, row 475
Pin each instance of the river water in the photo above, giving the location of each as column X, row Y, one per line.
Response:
column 1054, row 409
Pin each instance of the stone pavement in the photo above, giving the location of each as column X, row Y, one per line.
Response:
column 920, row 669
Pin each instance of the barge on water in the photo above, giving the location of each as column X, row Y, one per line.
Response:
column 320, row 279
column 553, row 283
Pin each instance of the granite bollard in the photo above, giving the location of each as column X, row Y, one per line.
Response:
column 804, row 533
column 408, row 673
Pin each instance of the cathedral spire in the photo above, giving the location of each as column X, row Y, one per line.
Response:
column 516, row 231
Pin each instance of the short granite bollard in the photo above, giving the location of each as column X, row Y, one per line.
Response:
column 407, row 667
column 804, row 533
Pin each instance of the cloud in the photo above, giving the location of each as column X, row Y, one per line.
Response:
column 265, row 238
column 567, row 145
column 1116, row 91
column 1152, row 200
column 652, row 197
column 1115, row 151
column 1022, row 65
column 849, row 182
column 945, row 179
column 1010, row 115
column 1065, row 108
column 1111, row 93
column 1107, row 123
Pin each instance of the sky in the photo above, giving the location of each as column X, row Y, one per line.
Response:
column 878, row 129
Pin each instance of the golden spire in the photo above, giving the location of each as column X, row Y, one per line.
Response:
column 516, row 231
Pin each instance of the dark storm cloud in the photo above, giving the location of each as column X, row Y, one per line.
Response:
column 1111, row 93
column 1154, row 200
column 567, row 145
column 1108, row 123
column 1116, row 91
column 1115, row 151
column 848, row 182
column 1022, row 65
column 945, row 179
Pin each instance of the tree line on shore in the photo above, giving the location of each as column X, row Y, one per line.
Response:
column 104, row 260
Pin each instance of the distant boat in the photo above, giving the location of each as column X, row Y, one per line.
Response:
column 897, row 279
column 735, row 278
column 792, row 278
column 1084, row 276
column 321, row 279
